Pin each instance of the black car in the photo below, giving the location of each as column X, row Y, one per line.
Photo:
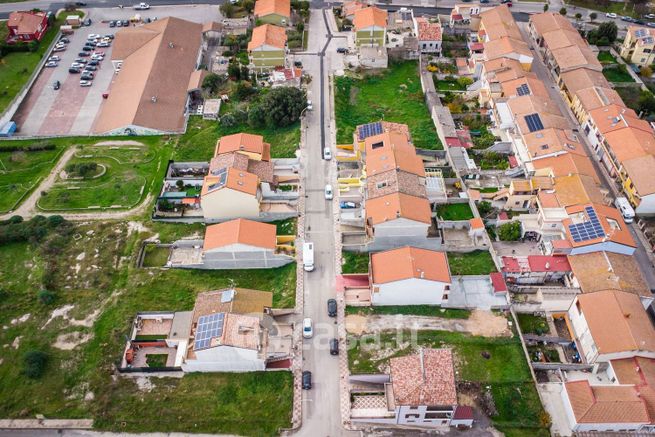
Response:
column 306, row 380
column 126, row 23
column 80, row 60
column 112, row 23
column 90, row 68
column 342, row 50
column 332, row 307
column 86, row 75
column 334, row 346
column 298, row 64
column 93, row 63
column 87, row 22
column 87, row 49
column 56, row 85
column 73, row 70
column 84, row 54
column 80, row 4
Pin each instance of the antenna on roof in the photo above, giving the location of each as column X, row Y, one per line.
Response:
column 153, row 99
column 171, row 45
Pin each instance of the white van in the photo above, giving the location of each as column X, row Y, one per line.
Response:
column 625, row 209
column 308, row 256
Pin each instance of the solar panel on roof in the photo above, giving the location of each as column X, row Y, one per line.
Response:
column 209, row 326
column 534, row 122
column 523, row 90
column 639, row 33
column 648, row 40
column 587, row 230
column 369, row 130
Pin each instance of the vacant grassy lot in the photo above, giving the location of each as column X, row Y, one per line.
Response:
column 155, row 256
column 91, row 270
column 630, row 95
column 354, row 262
column 478, row 262
column 532, row 324
column 606, row 58
column 199, row 141
column 394, row 95
column 447, row 85
column 410, row 310
column 455, row 211
column 126, row 175
column 617, row 73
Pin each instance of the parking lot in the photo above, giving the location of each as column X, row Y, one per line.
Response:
column 72, row 109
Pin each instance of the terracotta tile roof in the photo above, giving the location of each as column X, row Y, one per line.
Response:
column 505, row 46
column 26, row 22
column 398, row 205
column 147, row 92
column 240, row 231
column 392, row 151
column 390, row 182
column 212, row 26
column 409, row 262
column 566, row 164
column 610, row 219
column 425, row 378
column 549, row 21
column 581, row 78
column 568, row 58
column 268, row 7
column 551, row 141
column 640, row 171
column 498, row 23
column 264, row 170
column 369, row 17
column 240, row 331
column 639, row 371
column 576, row 189
column 606, row 404
column 476, row 223
column 228, row 160
column 596, row 97
column 598, row 271
column 349, row 8
column 243, row 142
column 238, row 180
column 428, row 31
column 617, row 321
column 630, row 143
column 500, row 65
column 561, row 38
column 525, row 105
column 510, row 87
column 268, row 35
column 196, row 79
column 614, row 117
column 237, row 301
column 536, row 263
column 548, row 199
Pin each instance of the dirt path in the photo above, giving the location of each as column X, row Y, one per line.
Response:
column 483, row 323
column 119, row 143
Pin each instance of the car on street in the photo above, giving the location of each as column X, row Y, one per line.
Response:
column 611, row 15
column 84, row 83
column 327, row 153
column 112, row 23
column 332, row 307
column 141, row 6
column 73, row 70
column 329, row 194
column 51, row 64
column 334, row 346
column 306, row 380
column 80, row 4
column 307, row 328
column 298, row 64
column 56, row 85
column 87, row 22
column 342, row 50
column 54, row 58
column 126, row 23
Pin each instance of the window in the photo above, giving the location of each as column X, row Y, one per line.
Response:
column 437, row 415
column 647, row 50
column 578, row 307
column 381, row 184
column 377, row 145
column 412, row 416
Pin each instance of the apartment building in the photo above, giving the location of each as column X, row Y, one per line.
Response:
column 639, row 46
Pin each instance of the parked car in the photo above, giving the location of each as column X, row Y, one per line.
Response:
column 332, row 307
column 103, row 44
column 54, row 58
column 59, row 49
column 611, row 15
column 87, row 22
column 307, row 328
column 126, row 23
column 112, row 23
column 97, row 58
column 87, row 49
column 640, row 22
column 85, row 83
column 99, row 52
column 327, row 153
column 347, row 205
column 73, row 70
column 64, row 40
column 141, row 6
column 119, row 23
column 650, row 24
column 90, row 68
column 342, row 50
column 80, row 4
column 87, row 75
column 298, row 64
column 76, row 65
column 108, row 36
column 329, row 194
column 306, row 380
column 84, row 54
column 92, row 36
column 90, row 44
column 93, row 62
column 649, row 16
column 56, row 85
column 80, row 60
column 310, row 107
column 51, row 64
column 334, row 346
column 626, row 18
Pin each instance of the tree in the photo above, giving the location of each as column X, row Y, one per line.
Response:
column 46, row 297
column 562, row 11
column 283, row 106
column 484, row 208
column 607, row 30
column 212, row 82
column 234, row 71
column 578, row 16
column 593, row 16
column 509, row 231
column 646, row 71
column 34, row 363
column 227, row 9
column 546, row 7
column 646, row 103
column 249, row 5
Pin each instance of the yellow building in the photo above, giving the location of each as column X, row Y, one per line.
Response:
column 639, row 46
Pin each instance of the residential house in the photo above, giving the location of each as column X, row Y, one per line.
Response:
column 507, row 47
column 250, row 145
column 639, row 46
column 225, row 332
column 497, row 23
column 535, row 269
column 409, row 276
column 236, row 244
column 267, row 47
column 370, row 26
column 574, row 81
column 597, row 271
column 276, row 12
column 463, row 13
column 609, row 325
column 26, row 26
column 419, row 391
column 286, row 77
column 492, row 73
column 588, row 99
column 429, row 35
column 639, row 183
column 349, row 8
column 147, row 96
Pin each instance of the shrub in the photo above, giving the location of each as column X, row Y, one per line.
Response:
column 593, row 16
column 484, row 208
column 562, row 11
column 54, row 221
column 212, row 82
column 83, row 169
column 46, row 297
column 510, row 231
column 34, row 363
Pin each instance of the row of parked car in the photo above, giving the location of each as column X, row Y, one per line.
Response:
column 308, row 332
column 87, row 67
column 634, row 20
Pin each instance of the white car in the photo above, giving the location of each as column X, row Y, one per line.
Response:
column 329, row 194
column 307, row 328
column 93, row 36
column 77, row 65
column 84, row 83
column 327, row 153
column 310, row 107
column 54, row 58
column 51, row 64
column 103, row 44
column 611, row 15
column 97, row 57
column 142, row 6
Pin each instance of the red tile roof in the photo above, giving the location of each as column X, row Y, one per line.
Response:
column 425, row 378
column 498, row 282
column 536, row 263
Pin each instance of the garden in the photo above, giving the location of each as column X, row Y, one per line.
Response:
column 617, row 73
column 394, row 95
column 354, row 262
column 478, row 262
column 62, row 366
column 455, row 211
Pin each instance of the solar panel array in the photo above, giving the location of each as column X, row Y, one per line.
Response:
column 209, row 326
column 587, row 230
column 523, row 90
column 640, row 33
column 534, row 122
column 369, row 130
column 648, row 40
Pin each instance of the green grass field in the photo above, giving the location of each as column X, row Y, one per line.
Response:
column 617, row 73
column 448, row 85
column 129, row 174
column 394, row 95
column 478, row 262
column 606, row 58
column 532, row 324
column 354, row 262
column 94, row 269
column 410, row 310
column 199, row 141
column 155, row 256
column 455, row 211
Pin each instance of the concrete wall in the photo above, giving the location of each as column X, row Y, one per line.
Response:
column 412, row 291
column 583, row 336
column 226, row 203
column 224, row 359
